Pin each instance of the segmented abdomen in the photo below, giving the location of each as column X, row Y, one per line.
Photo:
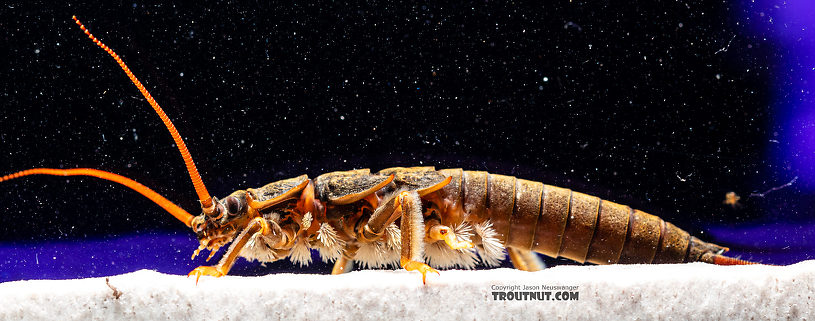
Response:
column 559, row 222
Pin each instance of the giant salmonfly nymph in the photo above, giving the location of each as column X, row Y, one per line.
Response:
column 413, row 217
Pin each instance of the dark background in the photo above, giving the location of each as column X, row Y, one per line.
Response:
column 664, row 106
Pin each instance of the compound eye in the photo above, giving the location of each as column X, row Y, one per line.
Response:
column 233, row 205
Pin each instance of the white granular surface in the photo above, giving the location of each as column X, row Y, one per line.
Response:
column 630, row 292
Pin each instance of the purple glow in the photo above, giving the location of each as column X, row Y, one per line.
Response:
column 794, row 20
column 791, row 26
column 65, row 259
column 169, row 252
column 166, row 252
column 781, row 243
column 801, row 135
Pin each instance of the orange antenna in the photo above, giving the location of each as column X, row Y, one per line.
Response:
column 203, row 194
column 176, row 211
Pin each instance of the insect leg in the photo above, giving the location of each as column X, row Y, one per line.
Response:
column 346, row 261
column 525, row 260
column 342, row 265
column 413, row 234
column 389, row 211
column 408, row 206
column 383, row 216
column 258, row 225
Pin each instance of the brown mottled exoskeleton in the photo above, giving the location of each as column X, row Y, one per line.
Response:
column 407, row 216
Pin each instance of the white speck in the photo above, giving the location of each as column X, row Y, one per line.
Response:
column 545, row 79
column 718, row 76
column 725, row 47
column 36, row 51
column 589, row 46
column 342, row 117
column 181, row 74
